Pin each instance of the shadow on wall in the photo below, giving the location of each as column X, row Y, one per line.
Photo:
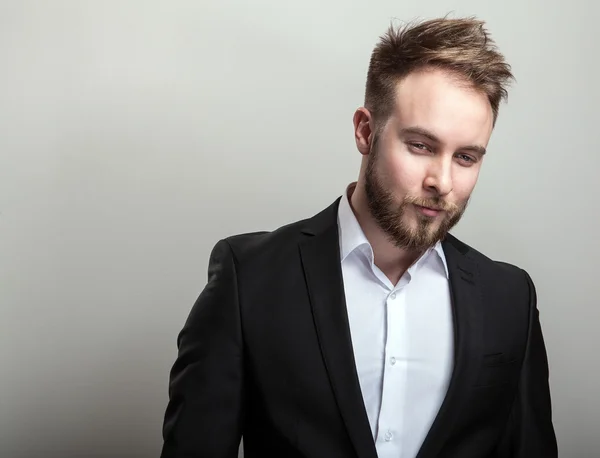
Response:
column 104, row 410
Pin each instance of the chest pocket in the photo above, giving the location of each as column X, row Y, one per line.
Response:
column 497, row 369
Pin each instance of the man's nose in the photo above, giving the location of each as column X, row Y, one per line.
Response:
column 439, row 176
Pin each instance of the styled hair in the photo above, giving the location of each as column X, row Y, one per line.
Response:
column 462, row 47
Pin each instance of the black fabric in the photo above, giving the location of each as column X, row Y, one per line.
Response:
column 266, row 353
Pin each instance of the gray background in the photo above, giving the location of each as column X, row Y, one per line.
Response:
column 135, row 134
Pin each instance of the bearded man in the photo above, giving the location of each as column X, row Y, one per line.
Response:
column 368, row 330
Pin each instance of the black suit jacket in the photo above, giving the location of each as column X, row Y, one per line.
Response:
column 266, row 353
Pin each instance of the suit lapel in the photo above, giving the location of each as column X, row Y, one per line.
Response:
column 322, row 269
column 467, row 308
column 320, row 254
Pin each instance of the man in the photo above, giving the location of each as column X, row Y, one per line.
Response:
column 367, row 330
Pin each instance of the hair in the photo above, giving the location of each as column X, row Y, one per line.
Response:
column 462, row 47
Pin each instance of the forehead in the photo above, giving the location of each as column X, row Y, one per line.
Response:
column 445, row 105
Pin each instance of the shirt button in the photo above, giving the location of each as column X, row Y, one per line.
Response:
column 393, row 360
column 393, row 295
column 388, row 436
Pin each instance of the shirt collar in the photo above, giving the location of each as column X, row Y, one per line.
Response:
column 352, row 237
column 351, row 234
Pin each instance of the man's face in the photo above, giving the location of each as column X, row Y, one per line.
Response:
column 424, row 163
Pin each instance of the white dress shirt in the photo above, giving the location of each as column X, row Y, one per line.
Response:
column 402, row 336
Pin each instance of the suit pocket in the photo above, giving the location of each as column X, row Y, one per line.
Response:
column 497, row 359
column 496, row 369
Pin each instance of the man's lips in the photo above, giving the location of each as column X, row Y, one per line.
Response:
column 429, row 211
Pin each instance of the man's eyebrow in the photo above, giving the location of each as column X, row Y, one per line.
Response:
column 431, row 136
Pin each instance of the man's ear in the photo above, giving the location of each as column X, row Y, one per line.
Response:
column 364, row 129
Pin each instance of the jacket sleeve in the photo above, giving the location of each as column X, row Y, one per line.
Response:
column 204, row 416
column 529, row 432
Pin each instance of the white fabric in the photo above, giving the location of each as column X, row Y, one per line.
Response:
column 402, row 337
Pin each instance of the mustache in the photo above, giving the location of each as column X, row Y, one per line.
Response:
column 435, row 203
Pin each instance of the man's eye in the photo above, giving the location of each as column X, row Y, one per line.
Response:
column 466, row 158
column 419, row 146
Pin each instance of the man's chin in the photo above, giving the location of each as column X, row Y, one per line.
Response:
column 429, row 224
column 428, row 237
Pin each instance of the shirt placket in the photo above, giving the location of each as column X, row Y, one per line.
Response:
column 393, row 398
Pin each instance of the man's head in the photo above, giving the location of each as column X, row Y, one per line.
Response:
column 432, row 97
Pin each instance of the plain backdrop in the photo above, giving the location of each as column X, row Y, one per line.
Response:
column 136, row 134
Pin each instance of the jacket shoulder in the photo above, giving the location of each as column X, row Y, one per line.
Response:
column 263, row 244
column 490, row 267
column 283, row 241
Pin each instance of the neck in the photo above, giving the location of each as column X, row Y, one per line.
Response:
column 390, row 259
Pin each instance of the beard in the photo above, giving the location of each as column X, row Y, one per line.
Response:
column 393, row 216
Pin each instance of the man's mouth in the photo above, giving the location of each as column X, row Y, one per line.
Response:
column 429, row 211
